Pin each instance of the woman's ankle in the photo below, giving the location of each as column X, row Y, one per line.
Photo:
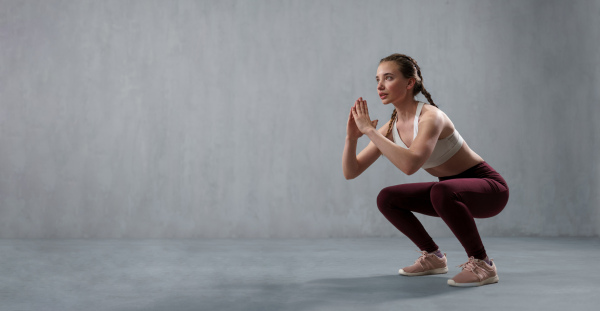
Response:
column 438, row 253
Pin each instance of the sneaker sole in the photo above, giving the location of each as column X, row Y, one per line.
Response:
column 491, row 280
column 428, row 272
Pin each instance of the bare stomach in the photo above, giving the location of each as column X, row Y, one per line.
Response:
column 464, row 159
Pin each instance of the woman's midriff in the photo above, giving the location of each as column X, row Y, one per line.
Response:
column 464, row 159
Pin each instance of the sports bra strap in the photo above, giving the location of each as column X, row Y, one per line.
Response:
column 416, row 125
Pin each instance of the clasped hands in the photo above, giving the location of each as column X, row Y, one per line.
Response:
column 359, row 121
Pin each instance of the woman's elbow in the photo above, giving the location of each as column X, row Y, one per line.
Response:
column 412, row 170
column 411, row 167
column 408, row 170
column 349, row 176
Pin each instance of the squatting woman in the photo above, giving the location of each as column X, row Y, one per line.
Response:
column 420, row 135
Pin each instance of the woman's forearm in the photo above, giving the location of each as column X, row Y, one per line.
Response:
column 349, row 160
column 402, row 158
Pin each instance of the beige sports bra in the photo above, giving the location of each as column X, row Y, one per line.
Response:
column 444, row 148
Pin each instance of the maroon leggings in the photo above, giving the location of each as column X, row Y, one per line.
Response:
column 479, row 192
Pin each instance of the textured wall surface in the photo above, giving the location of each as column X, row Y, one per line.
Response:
column 179, row 119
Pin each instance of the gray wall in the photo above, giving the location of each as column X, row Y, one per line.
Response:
column 179, row 119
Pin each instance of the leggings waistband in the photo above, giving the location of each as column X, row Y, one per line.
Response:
column 481, row 170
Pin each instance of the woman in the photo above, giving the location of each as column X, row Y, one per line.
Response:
column 422, row 136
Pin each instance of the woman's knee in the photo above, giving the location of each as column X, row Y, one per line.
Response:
column 383, row 199
column 440, row 189
column 440, row 194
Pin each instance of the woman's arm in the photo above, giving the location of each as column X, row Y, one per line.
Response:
column 408, row 160
column 353, row 165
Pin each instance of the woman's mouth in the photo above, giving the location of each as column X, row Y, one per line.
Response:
column 382, row 96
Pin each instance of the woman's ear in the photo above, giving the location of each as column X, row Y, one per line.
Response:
column 411, row 83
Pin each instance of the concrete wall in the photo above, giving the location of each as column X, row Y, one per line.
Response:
column 177, row 119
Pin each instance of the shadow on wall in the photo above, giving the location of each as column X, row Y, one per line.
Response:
column 312, row 295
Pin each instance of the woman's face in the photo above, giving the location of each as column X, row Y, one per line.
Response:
column 391, row 84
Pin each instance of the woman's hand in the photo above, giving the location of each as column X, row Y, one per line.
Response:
column 352, row 131
column 360, row 114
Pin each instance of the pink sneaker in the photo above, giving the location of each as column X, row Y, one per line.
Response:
column 425, row 265
column 475, row 272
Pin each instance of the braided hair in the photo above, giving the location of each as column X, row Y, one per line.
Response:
column 409, row 69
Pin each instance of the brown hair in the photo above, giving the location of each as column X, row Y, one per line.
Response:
column 409, row 69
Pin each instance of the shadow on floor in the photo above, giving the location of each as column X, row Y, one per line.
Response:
column 311, row 295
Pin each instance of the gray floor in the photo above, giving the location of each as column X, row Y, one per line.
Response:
column 297, row 274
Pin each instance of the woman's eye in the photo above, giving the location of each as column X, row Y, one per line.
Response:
column 388, row 78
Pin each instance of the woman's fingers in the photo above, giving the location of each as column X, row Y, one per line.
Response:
column 360, row 114
column 360, row 105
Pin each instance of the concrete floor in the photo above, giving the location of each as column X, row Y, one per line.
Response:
column 289, row 274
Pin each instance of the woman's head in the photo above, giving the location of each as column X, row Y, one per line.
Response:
column 411, row 73
column 409, row 69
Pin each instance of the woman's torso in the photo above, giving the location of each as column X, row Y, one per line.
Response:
column 462, row 160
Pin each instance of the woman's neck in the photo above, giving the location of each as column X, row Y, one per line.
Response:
column 406, row 109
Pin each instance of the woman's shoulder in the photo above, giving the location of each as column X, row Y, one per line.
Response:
column 435, row 114
column 431, row 112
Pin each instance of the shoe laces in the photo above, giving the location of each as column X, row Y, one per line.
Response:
column 475, row 268
column 422, row 258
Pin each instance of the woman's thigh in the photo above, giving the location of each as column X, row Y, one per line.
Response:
column 414, row 197
column 483, row 197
